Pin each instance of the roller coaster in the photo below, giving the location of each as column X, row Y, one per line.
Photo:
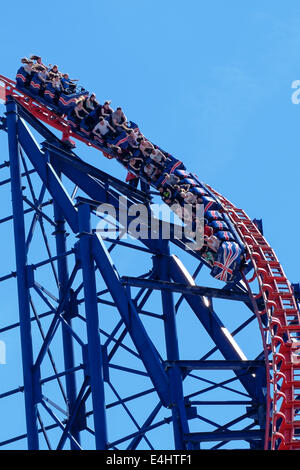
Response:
column 100, row 368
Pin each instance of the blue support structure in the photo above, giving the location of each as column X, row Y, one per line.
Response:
column 180, row 422
column 216, row 329
column 68, row 346
column 22, row 282
column 128, row 351
column 94, row 353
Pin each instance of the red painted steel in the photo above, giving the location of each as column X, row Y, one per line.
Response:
column 45, row 114
column 281, row 338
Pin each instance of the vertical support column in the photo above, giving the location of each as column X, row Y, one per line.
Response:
column 180, row 423
column 94, row 354
column 68, row 346
column 22, row 285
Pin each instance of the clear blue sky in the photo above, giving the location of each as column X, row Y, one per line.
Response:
column 208, row 81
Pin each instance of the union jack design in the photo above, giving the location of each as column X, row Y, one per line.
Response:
column 221, row 235
column 130, row 176
column 213, row 215
column 177, row 164
column 219, row 225
column 200, row 191
column 224, row 265
column 210, row 204
column 182, row 173
column 190, row 181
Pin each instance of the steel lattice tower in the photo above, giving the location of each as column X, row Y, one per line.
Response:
column 122, row 352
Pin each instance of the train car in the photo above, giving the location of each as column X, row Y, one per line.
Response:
column 227, row 261
column 61, row 103
column 223, row 251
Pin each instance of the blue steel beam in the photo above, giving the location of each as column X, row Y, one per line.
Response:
column 24, row 173
column 136, row 440
column 216, row 330
column 26, row 211
column 180, row 422
column 131, row 319
column 74, row 410
column 95, row 362
column 69, row 159
column 57, row 318
column 184, row 289
column 141, row 432
column 214, row 364
column 30, row 386
column 243, row 435
column 68, row 346
column 47, row 174
column 39, row 323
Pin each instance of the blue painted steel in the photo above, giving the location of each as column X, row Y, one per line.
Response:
column 63, row 276
column 23, row 290
column 166, row 376
column 184, row 289
column 180, row 422
column 55, row 321
column 48, row 175
column 217, row 331
column 131, row 319
column 95, row 362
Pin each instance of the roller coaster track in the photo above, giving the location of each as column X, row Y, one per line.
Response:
column 281, row 334
column 273, row 300
column 41, row 112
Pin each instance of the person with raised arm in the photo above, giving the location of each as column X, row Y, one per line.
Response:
column 38, row 61
column 69, row 87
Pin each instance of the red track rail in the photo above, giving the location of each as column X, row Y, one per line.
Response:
column 42, row 112
column 281, row 339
